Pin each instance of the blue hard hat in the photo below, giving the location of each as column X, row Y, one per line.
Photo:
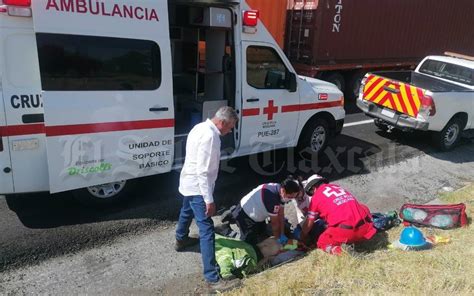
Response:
column 412, row 236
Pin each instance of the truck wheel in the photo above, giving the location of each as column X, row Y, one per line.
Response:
column 337, row 79
column 315, row 136
column 449, row 136
column 105, row 194
column 355, row 82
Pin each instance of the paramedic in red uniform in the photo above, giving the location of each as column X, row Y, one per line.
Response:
column 348, row 221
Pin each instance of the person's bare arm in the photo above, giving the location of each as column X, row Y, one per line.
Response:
column 307, row 226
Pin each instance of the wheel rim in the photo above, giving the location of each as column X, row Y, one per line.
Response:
column 451, row 135
column 108, row 190
column 318, row 138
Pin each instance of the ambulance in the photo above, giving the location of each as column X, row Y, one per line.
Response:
column 96, row 94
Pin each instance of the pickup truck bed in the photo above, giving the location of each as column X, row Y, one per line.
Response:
column 422, row 81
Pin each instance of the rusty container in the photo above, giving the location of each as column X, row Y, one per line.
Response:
column 332, row 32
column 273, row 15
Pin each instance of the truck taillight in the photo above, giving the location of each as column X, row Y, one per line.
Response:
column 362, row 84
column 250, row 18
column 364, row 80
column 16, row 7
column 427, row 105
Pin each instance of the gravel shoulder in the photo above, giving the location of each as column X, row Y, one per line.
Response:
column 146, row 264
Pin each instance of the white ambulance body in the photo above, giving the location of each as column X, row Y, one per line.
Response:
column 94, row 93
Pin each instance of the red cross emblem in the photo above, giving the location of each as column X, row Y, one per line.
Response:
column 270, row 110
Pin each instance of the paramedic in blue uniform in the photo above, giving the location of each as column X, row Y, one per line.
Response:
column 196, row 185
column 265, row 201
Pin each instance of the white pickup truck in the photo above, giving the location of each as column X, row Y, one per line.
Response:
column 438, row 97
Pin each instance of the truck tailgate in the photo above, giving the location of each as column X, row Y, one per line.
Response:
column 395, row 95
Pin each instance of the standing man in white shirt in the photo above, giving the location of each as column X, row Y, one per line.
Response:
column 196, row 184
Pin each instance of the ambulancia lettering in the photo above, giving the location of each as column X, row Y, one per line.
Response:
column 103, row 8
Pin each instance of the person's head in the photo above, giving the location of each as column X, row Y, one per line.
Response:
column 290, row 188
column 225, row 119
column 312, row 183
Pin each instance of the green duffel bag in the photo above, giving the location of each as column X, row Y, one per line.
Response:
column 235, row 257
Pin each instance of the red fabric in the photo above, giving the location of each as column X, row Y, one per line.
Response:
column 336, row 236
column 337, row 206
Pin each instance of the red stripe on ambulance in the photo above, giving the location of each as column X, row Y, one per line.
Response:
column 21, row 130
column 251, row 112
column 312, row 106
column 65, row 130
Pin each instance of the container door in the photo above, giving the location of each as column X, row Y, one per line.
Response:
column 269, row 107
column 6, row 179
column 107, row 90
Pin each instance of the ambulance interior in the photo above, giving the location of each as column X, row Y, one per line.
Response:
column 203, row 67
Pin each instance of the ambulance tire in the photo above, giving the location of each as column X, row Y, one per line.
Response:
column 448, row 138
column 315, row 136
column 106, row 195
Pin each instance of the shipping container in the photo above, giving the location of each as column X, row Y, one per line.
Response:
column 273, row 15
column 341, row 40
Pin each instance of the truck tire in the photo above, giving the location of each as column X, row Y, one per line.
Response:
column 336, row 79
column 447, row 139
column 105, row 194
column 315, row 136
column 355, row 82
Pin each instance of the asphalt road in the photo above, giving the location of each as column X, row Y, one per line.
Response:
column 38, row 227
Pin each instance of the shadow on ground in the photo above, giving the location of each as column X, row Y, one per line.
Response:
column 156, row 197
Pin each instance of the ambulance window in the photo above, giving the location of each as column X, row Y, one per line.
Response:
column 265, row 69
column 70, row 62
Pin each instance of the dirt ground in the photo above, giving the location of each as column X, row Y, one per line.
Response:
column 146, row 264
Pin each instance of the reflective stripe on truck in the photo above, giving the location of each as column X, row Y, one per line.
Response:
column 394, row 95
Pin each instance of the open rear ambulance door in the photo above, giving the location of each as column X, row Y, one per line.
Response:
column 6, row 179
column 107, row 90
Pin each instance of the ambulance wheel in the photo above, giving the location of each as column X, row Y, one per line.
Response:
column 449, row 136
column 105, row 194
column 315, row 136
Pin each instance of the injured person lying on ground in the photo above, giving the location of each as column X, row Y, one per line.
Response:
column 327, row 217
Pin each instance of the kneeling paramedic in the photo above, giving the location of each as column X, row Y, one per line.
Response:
column 265, row 201
column 348, row 221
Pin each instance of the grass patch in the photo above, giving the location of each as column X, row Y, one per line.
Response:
column 447, row 268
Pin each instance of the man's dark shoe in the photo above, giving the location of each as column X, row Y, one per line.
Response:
column 223, row 285
column 181, row 245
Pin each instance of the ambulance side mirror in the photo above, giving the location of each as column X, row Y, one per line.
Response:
column 291, row 82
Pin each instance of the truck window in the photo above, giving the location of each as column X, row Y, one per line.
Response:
column 448, row 71
column 265, row 69
column 71, row 62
